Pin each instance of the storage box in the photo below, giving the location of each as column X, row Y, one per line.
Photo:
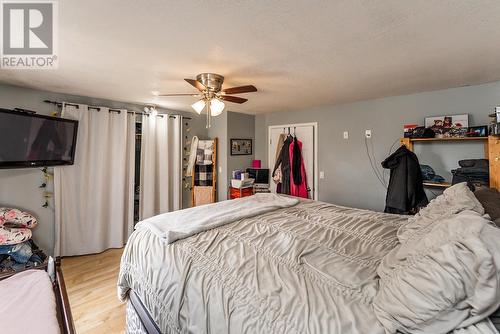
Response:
column 235, row 183
column 238, row 193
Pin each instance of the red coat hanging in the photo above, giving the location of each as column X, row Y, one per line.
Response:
column 298, row 181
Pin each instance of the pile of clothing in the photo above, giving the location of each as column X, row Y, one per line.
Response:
column 17, row 250
column 473, row 171
column 429, row 175
column 289, row 172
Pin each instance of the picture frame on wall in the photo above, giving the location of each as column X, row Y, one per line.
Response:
column 241, row 146
column 448, row 126
column 478, row 131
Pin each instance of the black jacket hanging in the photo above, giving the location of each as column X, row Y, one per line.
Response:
column 405, row 194
column 296, row 162
column 284, row 160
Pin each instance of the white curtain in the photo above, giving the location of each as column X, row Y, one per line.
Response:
column 161, row 164
column 94, row 197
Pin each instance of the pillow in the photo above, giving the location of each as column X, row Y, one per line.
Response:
column 449, row 279
column 13, row 236
column 453, row 200
column 490, row 200
column 16, row 218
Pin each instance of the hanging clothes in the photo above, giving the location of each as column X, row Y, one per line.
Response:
column 277, row 170
column 284, row 161
column 192, row 156
column 298, row 184
column 405, row 194
column 296, row 161
column 281, row 140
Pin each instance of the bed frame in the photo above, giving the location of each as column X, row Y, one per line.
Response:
column 64, row 316
column 63, row 309
column 142, row 313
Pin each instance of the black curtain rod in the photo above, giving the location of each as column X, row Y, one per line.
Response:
column 59, row 104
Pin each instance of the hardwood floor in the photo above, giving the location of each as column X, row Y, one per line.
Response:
column 91, row 285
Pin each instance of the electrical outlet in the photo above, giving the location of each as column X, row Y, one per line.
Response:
column 321, row 174
column 346, row 135
column 368, row 134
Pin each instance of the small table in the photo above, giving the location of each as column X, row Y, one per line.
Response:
column 240, row 192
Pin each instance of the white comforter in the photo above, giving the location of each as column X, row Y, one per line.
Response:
column 307, row 268
column 181, row 224
column 315, row 268
column 445, row 273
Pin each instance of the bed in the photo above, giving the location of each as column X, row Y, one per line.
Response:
column 310, row 267
column 32, row 303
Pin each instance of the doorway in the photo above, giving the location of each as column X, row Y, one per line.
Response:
column 307, row 133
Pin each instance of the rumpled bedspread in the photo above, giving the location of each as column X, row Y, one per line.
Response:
column 321, row 268
column 176, row 225
column 444, row 276
column 309, row 268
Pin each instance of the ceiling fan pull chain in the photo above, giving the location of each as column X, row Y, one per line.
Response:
column 208, row 114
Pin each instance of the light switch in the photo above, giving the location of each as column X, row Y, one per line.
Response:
column 368, row 134
column 346, row 134
column 321, row 174
column 220, row 169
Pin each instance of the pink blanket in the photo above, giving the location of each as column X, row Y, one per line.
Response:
column 27, row 304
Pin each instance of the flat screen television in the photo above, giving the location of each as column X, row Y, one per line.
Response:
column 32, row 140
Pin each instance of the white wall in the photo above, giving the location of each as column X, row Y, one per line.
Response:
column 349, row 179
column 20, row 187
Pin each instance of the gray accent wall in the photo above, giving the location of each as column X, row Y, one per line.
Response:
column 20, row 187
column 226, row 126
column 218, row 130
column 239, row 126
column 349, row 179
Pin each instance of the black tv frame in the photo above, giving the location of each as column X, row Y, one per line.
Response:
column 40, row 163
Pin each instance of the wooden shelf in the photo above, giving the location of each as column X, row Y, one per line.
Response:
column 449, row 139
column 491, row 152
column 437, row 185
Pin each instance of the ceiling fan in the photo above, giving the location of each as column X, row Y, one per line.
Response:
column 212, row 95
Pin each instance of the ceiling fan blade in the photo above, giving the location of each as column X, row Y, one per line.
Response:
column 196, row 84
column 187, row 94
column 233, row 99
column 240, row 89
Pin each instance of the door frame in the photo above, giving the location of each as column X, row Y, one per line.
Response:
column 315, row 147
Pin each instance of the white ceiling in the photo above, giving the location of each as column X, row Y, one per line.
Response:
column 299, row 54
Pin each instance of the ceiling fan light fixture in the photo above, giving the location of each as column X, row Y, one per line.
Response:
column 216, row 107
column 198, row 106
column 150, row 110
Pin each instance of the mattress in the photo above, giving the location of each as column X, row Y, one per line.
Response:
column 310, row 268
column 28, row 304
